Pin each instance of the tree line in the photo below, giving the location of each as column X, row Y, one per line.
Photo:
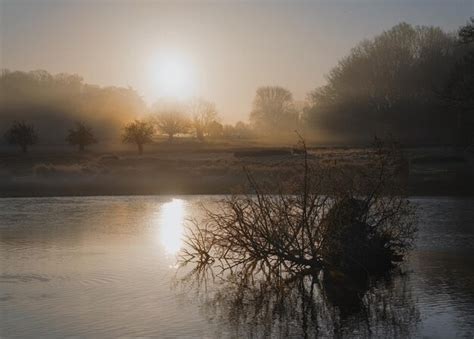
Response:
column 169, row 119
column 55, row 102
column 413, row 82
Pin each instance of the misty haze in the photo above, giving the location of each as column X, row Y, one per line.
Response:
column 237, row 169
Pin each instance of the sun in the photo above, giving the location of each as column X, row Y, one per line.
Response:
column 173, row 77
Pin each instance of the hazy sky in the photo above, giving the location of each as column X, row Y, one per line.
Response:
column 220, row 50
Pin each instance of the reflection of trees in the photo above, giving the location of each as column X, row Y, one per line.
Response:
column 304, row 263
column 305, row 307
column 345, row 223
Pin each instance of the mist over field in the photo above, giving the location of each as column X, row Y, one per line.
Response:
column 237, row 169
column 56, row 102
column 411, row 82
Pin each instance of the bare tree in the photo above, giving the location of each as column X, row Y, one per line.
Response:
column 171, row 122
column 21, row 134
column 139, row 133
column 203, row 113
column 273, row 110
column 327, row 220
column 81, row 136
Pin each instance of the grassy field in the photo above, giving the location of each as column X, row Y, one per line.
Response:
column 203, row 168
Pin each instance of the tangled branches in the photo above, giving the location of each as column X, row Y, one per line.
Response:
column 341, row 220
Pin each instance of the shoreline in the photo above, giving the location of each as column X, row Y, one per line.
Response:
column 214, row 171
column 67, row 194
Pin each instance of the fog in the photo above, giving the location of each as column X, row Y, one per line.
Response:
column 304, row 162
column 409, row 82
column 232, row 47
column 53, row 103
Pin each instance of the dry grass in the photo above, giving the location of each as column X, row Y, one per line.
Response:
column 200, row 169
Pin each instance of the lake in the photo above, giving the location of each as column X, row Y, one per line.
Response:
column 106, row 267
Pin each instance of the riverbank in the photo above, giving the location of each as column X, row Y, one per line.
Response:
column 207, row 169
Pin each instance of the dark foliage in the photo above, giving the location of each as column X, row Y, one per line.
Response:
column 22, row 134
column 139, row 133
column 81, row 136
column 459, row 89
column 390, row 85
column 466, row 33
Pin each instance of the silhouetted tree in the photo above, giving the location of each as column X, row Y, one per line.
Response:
column 273, row 111
column 466, row 33
column 204, row 113
column 139, row 133
column 389, row 85
column 81, row 136
column 321, row 220
column 171, row 122
column 459, row 90
column 21, row 134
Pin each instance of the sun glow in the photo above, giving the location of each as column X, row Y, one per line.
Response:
column 171, row 225
column 173, row 77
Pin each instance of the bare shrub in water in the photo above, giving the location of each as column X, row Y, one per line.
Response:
column 340, row 220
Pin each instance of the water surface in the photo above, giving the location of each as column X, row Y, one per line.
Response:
column 105, row 266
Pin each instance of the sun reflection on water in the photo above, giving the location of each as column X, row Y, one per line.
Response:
column 171, row 225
